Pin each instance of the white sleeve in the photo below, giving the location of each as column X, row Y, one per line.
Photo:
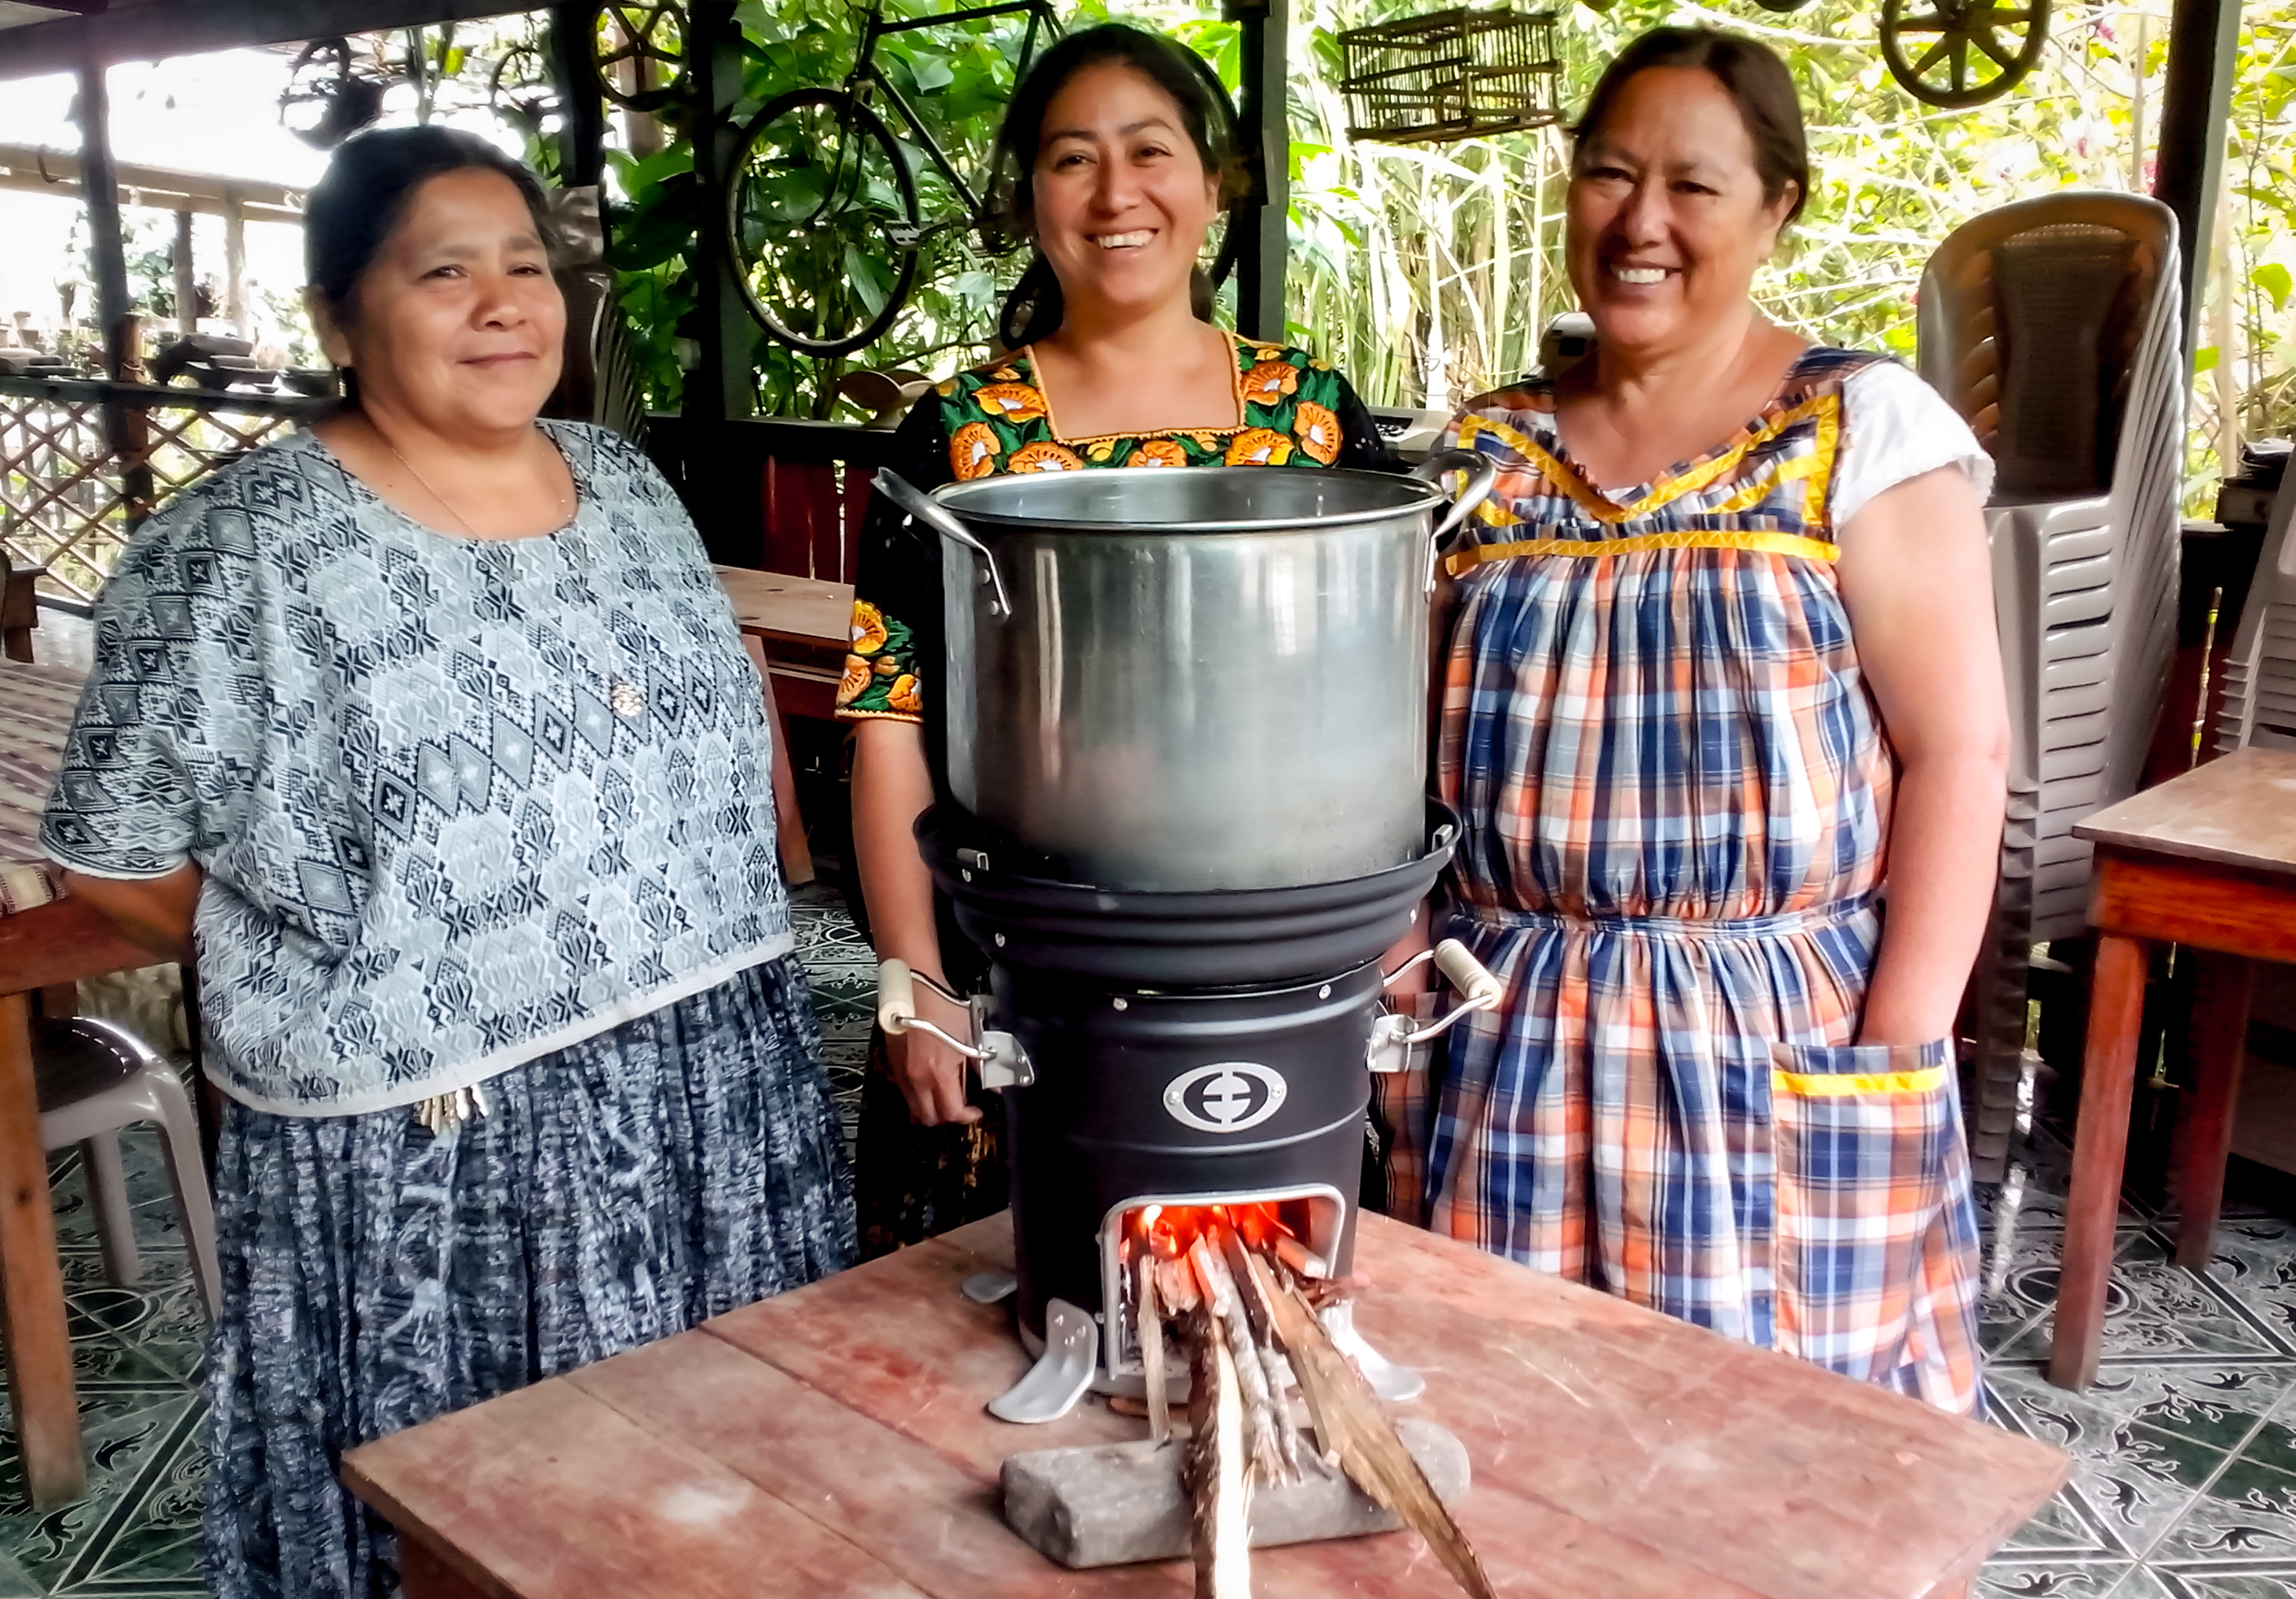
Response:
column 1896, row 427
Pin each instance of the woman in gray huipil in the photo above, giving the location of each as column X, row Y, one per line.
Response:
column 429, row 732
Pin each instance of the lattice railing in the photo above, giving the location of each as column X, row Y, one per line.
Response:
column 73, row 485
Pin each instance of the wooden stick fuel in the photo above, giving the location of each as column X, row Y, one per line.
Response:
column 1148, row 1326
column 1252, row 1377
column 1350, row 1423
column 1217, row 1490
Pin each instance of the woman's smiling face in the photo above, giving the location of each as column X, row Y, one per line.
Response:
column 1122, row 198
column 458, row 321
column 1667, row 224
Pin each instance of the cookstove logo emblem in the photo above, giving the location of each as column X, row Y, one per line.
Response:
column 1228, row 1096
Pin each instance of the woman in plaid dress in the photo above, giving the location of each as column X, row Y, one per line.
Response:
column 1697, row 727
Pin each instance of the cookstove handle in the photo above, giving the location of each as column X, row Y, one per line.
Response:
column 1482, row 474
column 896, row 1006
column 936, row 516
column 1478, row 988
column 1392, row 1036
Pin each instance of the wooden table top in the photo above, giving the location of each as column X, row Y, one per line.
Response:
column 789, row 609
column 832, row 1441
column 2238, row 811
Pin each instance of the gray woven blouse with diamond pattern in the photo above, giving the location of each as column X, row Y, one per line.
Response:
column 459, row 802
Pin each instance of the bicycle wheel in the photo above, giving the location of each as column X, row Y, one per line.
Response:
column 821, row 215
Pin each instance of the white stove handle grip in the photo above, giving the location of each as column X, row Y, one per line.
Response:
column 1476, row 985
column 896, row 997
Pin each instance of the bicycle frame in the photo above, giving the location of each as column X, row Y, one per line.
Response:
column 867, row 73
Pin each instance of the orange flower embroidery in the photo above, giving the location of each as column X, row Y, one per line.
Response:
column 904, row 696
column 1014, row 402
column 1259, row 446
column 868, row 629
column 973, row 451
column 856, row 678
column 1158, row 452
column 1317, row 430
column 1270, row 381
column 1044, row 457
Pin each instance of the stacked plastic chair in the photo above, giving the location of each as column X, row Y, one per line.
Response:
column 2055, row 325
column 2259, row 676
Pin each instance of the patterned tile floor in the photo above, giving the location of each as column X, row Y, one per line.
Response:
column 2184, row 1485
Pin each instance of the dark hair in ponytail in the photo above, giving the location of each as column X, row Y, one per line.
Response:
column 1034, row 309
column 351, row 212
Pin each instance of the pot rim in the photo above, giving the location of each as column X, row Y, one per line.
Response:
column 1422, row 498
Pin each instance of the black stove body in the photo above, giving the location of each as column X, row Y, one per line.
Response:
column 1179, row 1050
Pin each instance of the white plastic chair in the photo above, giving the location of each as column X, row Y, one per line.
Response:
column 2054, row 326
column 94, row 1078
column 2258, row 706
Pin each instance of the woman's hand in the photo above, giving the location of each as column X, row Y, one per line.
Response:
column 891, row 787
column 929, row 1073
column 1919, row 588
column 152, row 912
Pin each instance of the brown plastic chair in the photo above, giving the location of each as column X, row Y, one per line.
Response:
column 2054, row 326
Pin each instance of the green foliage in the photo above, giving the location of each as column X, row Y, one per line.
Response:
column 1427, row 272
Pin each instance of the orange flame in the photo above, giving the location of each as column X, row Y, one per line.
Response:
column 1165, row 1230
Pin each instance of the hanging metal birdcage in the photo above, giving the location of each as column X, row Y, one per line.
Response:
column 1452, row 75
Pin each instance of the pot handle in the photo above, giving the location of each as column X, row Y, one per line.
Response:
column 1482, row 473
column 934, row 515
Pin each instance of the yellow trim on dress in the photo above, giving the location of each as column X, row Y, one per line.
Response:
column 1242, row 415
column 1694, row 539
column 1826, row 408
column 1830, row 1084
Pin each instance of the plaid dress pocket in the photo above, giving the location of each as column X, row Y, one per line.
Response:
column 1876, row 1237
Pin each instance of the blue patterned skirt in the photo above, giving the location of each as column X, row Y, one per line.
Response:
column 374, row 1277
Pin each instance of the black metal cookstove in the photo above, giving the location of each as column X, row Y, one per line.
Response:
column 1159, row 1051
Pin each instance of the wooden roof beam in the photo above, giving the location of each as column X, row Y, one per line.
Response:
column 154, row 28
column 57, row 172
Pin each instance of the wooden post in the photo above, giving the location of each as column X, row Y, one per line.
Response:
column 2203, row 48
column 721, row 383
column 187, row 287
column 582, row 112
column 101, row 194
column 1263, row 126
column 235, row 264
column 125, row 429
column 32, row 1281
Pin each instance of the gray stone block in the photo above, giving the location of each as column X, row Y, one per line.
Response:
column 1115, row 1503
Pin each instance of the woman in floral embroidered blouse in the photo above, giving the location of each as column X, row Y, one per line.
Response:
column 1112, row 160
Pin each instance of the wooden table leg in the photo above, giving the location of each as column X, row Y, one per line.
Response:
column 32, row 1281
column 2219, row 1045
column 2116, row 1009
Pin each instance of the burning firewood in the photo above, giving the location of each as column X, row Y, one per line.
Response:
column 1350, row 1425
column 1253, row 1299
column 1251, row 1375
column 1217, row 1483
column 1248, row 1319
column 1148, row 1326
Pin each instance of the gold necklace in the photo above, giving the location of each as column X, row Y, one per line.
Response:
column 624, row 698
column 446, row 503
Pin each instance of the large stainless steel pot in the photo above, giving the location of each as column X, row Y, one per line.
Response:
column 1208, row 678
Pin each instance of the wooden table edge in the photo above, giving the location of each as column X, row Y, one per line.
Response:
column 2151, row 898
